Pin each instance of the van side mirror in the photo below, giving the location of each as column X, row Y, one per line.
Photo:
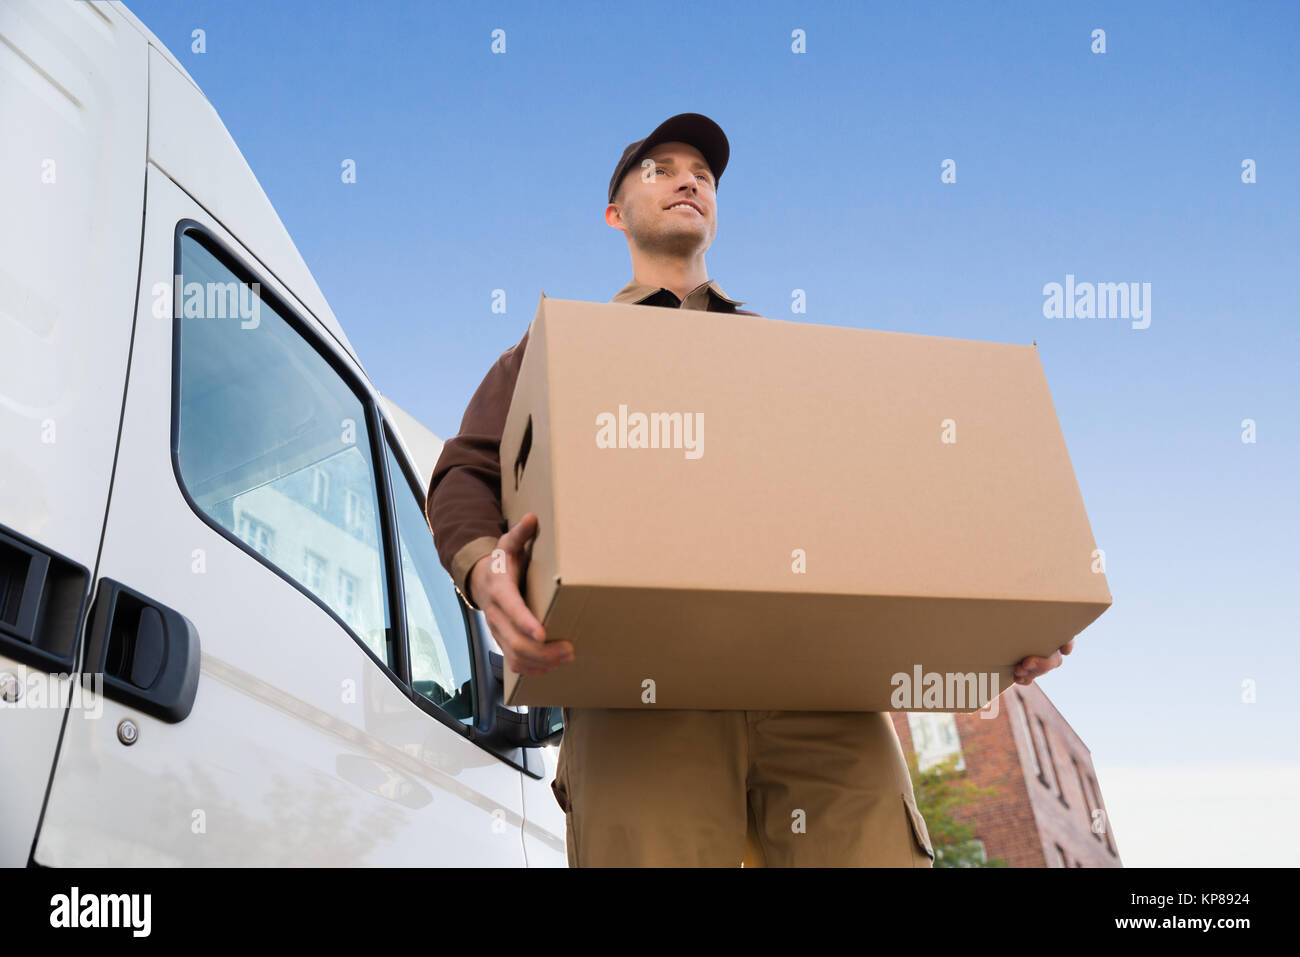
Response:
column 534, row 728
column 500, row 726
column 545, row 725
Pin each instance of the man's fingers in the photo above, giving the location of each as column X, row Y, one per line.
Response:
column 535, row 657
column 511, row 638
column 522, row 652
column 522, row 635
column 1028, row 668
column 517, row 537
column 512, row 603
column 1034, row 666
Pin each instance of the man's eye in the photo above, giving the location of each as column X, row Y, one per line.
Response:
column 707, row 181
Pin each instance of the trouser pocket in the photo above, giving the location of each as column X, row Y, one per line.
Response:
column 920, row 833
column 561, row 795
column 560, row 783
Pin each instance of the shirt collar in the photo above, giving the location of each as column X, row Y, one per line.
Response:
column 636, row 292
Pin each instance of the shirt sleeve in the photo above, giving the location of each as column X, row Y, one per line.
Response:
column 463, row 504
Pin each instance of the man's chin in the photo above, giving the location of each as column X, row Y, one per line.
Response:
column 676, row 242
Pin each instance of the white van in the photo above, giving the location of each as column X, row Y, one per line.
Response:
column 225, row 636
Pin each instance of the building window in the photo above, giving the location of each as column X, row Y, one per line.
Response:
column 1060, row 856
column 934, row 737
column 313, row 572
column 1051, row 762
column 1089, row 808
column 1023, row 720
column 1099, row 813
column 257, row 535
column 967, row 853
column 351, row 510
column 347, row 603
column 320, row 489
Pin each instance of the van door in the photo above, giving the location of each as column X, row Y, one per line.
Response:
column 74, row 107
column 260, row 701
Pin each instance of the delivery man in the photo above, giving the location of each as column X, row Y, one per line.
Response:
column 647, row 787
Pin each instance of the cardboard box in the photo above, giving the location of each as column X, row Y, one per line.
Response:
column 824, row 518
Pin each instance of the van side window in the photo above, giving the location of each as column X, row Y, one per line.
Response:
column 441, row 666
column 273, row 446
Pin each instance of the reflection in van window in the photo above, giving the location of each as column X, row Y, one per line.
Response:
column 435, row 624
column 273, row 447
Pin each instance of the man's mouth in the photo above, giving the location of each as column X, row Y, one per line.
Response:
column 686, row 206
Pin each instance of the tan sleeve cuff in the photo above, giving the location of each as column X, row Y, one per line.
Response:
column 462, row 563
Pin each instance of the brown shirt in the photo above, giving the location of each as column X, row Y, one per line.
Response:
column 463, row 505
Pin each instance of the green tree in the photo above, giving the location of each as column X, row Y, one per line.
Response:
column 940, row 789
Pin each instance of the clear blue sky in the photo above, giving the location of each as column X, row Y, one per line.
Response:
column 479, row 171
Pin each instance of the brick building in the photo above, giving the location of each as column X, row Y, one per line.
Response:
column 1048, row 799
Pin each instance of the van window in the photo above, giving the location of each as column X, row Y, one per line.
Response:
column 441, row 667
column 273, row 447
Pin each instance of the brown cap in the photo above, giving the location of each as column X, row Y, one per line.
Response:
column 695, row 129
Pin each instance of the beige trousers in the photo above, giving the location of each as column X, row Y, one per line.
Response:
column 715, row 788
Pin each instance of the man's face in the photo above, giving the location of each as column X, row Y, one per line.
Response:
column 670, row 207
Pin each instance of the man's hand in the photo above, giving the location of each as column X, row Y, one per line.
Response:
column 520, row 635
column 1035, row 667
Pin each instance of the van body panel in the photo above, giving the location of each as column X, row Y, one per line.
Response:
column 544, row 820
column 300, row 748
column 422, row 446
column 73, row 88
column 119, row 9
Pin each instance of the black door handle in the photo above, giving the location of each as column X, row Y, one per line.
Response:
column 148, row 653
column 42, row 596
